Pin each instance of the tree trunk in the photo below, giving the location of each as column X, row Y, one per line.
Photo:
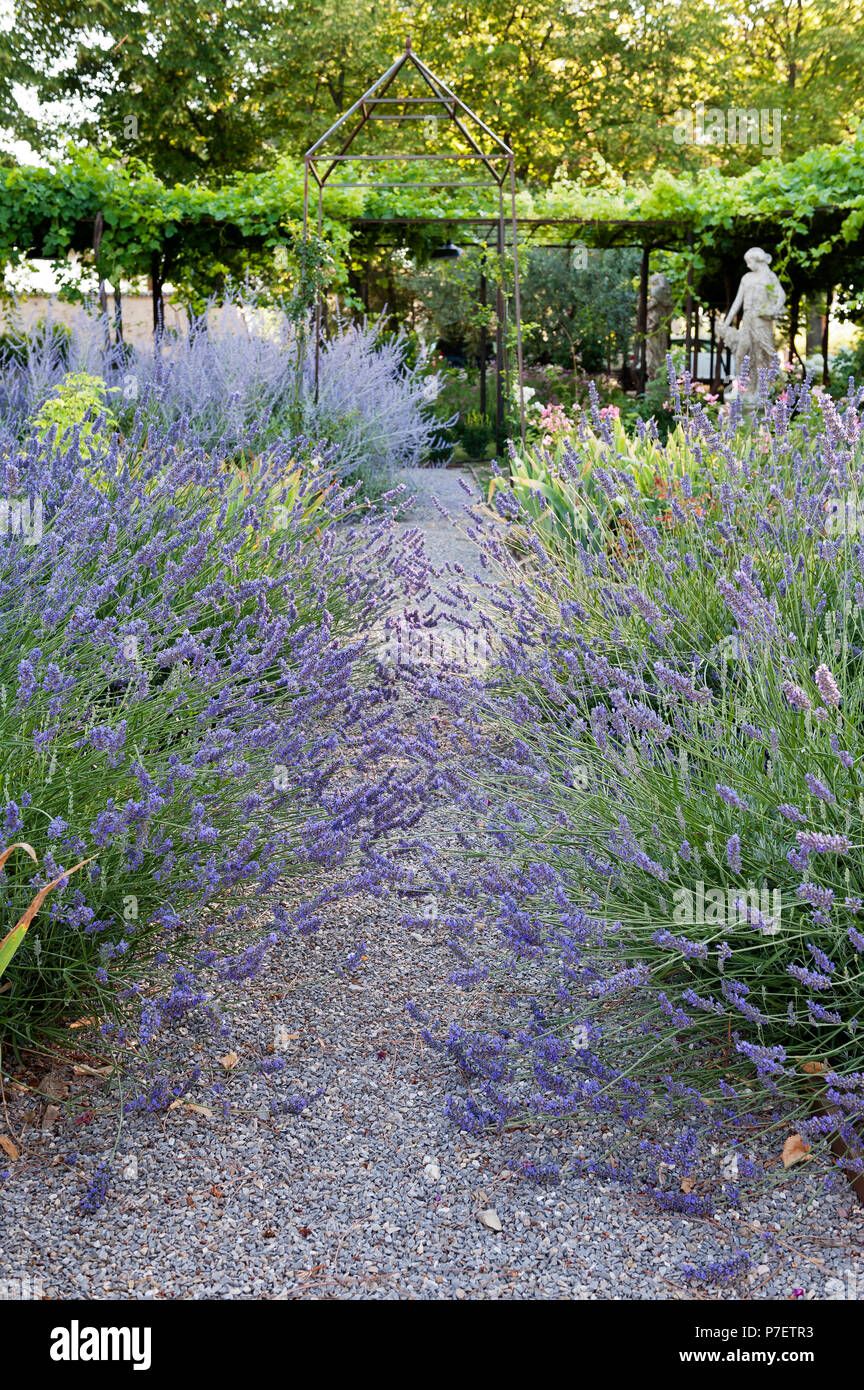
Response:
column 118, row 314
column 814, row 330
column 826, row 375
column 158, row 302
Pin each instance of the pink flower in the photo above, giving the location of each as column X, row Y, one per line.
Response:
column 553, row 419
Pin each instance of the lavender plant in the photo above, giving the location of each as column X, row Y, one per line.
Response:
column 242, row 379
column 370, row 402
column 181, row 700
column 34, row 362
column 673, row 745
column 251, row 372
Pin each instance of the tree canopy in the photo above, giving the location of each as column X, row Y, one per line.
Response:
column 580, row 88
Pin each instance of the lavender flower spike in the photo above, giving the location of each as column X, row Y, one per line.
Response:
column 796, row 697
column 828, row 687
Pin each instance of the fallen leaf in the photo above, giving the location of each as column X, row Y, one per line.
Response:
column 305, row 1231
column 795, row 1151
column 199, row 1110
column 229, row 1061
column 217, row 1191
column 51, row 1116
column 53, row 1086
column 8, row 1147
column 814, row 1068
column 688, row 1184
column 83, row 1070
column 491, row 1219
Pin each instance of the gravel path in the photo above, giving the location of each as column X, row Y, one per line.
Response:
column 368, row 1192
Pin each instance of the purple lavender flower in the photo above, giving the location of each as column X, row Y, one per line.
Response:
column 97, row 1192
column 796, row 697
column 827, row 685
column 719, row 1271
column 811, row 978
column 815, row 842
column 818, row 896
column 823, row 961
column 729, row 795
column 817, row 788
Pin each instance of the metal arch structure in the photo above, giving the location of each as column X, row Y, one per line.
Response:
column 497, row 161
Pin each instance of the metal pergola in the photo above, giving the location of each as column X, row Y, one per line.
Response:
column 496, row 159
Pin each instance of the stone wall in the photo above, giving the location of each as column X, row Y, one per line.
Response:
column 137, row 314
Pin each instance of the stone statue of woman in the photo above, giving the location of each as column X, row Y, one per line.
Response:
column 761, row 297
column 657, row 325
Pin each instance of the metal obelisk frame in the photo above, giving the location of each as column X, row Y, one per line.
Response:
column 466, row 123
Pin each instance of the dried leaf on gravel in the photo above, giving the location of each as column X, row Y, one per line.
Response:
column 795, row 1151
column 229, row 1061
column 53, row 1086
column 9, row 1149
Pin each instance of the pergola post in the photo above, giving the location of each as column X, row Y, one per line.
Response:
column 642, row 318
column 688, row 307
column 517, row 305
column 484, row 346
column 500, row 309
